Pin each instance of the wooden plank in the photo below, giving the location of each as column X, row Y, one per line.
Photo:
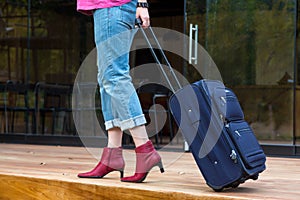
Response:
column 50, row 172
column 18, row 187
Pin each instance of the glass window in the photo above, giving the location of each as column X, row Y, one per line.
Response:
column 42, row 42
column 253, row 45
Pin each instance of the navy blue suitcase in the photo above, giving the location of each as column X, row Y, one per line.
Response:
column 212, row 122
column 221, row 141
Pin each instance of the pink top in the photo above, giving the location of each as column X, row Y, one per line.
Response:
column 87, row 6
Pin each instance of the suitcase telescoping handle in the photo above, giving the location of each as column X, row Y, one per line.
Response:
column 139, row 24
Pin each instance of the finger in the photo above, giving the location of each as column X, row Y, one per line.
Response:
column 146, row 22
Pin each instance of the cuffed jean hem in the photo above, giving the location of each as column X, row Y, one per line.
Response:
column 126, row 124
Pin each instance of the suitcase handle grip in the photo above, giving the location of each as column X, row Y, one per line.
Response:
column 139, row 22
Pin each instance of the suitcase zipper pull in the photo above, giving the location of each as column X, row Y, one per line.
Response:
column 237, row 133
column 233, row 156
column 223, row 99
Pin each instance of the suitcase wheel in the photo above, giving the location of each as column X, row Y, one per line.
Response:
column 235, row 184
column 254, row 177
column 218, row 190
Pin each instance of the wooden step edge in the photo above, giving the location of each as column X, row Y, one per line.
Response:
column 21, row 187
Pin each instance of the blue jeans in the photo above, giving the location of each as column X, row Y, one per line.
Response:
column 114, row 32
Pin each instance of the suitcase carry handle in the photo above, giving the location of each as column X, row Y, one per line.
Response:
column 138, row 22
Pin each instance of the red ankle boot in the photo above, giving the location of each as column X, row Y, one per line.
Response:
column 111, row 160
column 146, row 158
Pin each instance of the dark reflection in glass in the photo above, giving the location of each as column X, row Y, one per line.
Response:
column 45, row 41
column 253, row 45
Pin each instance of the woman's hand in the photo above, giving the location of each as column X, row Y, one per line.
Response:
column 143, row 14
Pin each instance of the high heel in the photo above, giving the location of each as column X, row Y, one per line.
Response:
column 122, row 173
column 161, row 168
column 111, row 160
column 146, row 158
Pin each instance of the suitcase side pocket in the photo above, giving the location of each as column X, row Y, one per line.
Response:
column 257, row 158
column 246, row 143
column 233, row 109
column 228, row 104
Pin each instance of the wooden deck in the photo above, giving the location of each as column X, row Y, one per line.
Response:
column 49, row 172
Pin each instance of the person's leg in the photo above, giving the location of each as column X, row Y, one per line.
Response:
column 120, row 104
column 139, row 135
column 112, row 158
column 114, row 137
column 124, row 103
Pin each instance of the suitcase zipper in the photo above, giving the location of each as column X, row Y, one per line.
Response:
column 240, row 131
column 237, row 132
